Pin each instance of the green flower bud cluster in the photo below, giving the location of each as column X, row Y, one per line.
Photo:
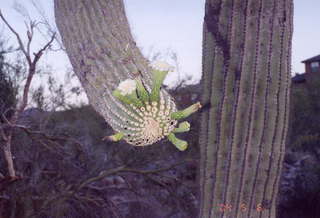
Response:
column 151, row 117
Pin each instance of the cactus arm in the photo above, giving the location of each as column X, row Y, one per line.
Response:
column 105, row 58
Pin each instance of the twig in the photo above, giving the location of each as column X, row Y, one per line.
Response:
column 49, row 137
column 71, row 191
column 123, row 169
column 89, row 199
column 32, row 71
column 17, row 36
column 3, row 135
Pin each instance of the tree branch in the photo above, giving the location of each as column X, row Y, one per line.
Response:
column 21, row 46
column 31, row 71
column 123, row 169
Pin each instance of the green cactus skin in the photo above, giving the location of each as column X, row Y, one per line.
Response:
column 246, row 83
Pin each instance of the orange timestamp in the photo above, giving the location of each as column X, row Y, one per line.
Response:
column 243, row 207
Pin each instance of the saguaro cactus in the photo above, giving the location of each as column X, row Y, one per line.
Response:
column 246, row 81
column 118, row 80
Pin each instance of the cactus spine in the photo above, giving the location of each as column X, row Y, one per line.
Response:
column 246, row 81
column 118, row 80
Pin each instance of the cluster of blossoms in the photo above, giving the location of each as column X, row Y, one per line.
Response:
column 151, row 117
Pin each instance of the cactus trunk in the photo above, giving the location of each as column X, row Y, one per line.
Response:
column 246, row 83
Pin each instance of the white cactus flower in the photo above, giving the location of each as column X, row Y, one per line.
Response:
column 127, row 86
column 162, row 66
column 148, row 116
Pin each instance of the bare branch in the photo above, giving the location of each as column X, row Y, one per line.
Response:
column 3, row 135
column 29, row 35
column 50, row 27
column 48, row 137
column 32, row 71
column 4, row 116
column 32, row 62
column 123, row 169
column 45, row 47
column 21, row 46
column 72, row 191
